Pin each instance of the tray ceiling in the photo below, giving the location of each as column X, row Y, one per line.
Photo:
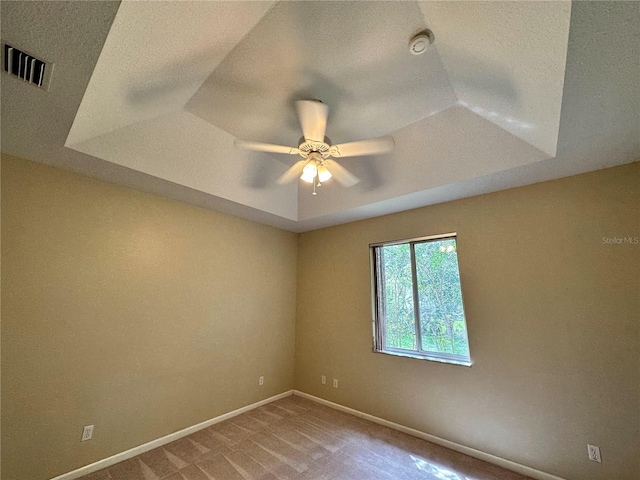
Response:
column 175, row 82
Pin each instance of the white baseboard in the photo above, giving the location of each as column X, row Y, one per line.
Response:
column 472, row 452
column 133, row 452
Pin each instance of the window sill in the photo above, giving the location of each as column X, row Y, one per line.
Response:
column 423, row 357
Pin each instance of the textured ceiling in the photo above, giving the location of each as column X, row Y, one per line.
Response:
column 152, row 97
column 506, row 62
column 352, row 56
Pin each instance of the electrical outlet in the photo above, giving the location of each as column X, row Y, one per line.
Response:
column 323, row 379
column 261, row 380
column 594, row 453
column 87, row 433
column 335, row 383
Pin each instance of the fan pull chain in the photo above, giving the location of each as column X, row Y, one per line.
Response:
column 314, row 184
column 317, row 175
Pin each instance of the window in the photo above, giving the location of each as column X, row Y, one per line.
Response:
column 417, row 297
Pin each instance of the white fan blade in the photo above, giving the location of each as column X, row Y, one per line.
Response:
column 313, row 119
column 293, row 173
column 265, row 147
column 343, row 176
column 375, row 146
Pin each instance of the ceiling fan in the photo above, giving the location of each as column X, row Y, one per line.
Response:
column 318, row 164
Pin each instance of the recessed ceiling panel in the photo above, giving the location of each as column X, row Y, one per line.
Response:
column 506, row 61
column 156, row 56
column 353, row 56
column 186, row 150
column 449, row 147
column 177, row 81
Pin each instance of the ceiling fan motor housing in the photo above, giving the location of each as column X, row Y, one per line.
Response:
column 307, row 147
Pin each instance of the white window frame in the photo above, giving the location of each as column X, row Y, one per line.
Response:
column 378, row 306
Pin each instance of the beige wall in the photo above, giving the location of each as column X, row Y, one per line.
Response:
column 553, row 318
column 135, row 313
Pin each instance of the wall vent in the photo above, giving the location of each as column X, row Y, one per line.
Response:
column 26, row 67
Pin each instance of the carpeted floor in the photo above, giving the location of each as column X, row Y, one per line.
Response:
column 295, row 438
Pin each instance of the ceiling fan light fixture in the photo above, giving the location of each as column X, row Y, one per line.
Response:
column 309, row 172
column 323, row 174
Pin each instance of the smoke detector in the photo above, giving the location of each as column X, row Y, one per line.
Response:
column 420, row 43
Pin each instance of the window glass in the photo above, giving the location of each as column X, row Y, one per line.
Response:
column 418, row 307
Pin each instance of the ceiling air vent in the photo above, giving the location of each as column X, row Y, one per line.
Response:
column 26, row 67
